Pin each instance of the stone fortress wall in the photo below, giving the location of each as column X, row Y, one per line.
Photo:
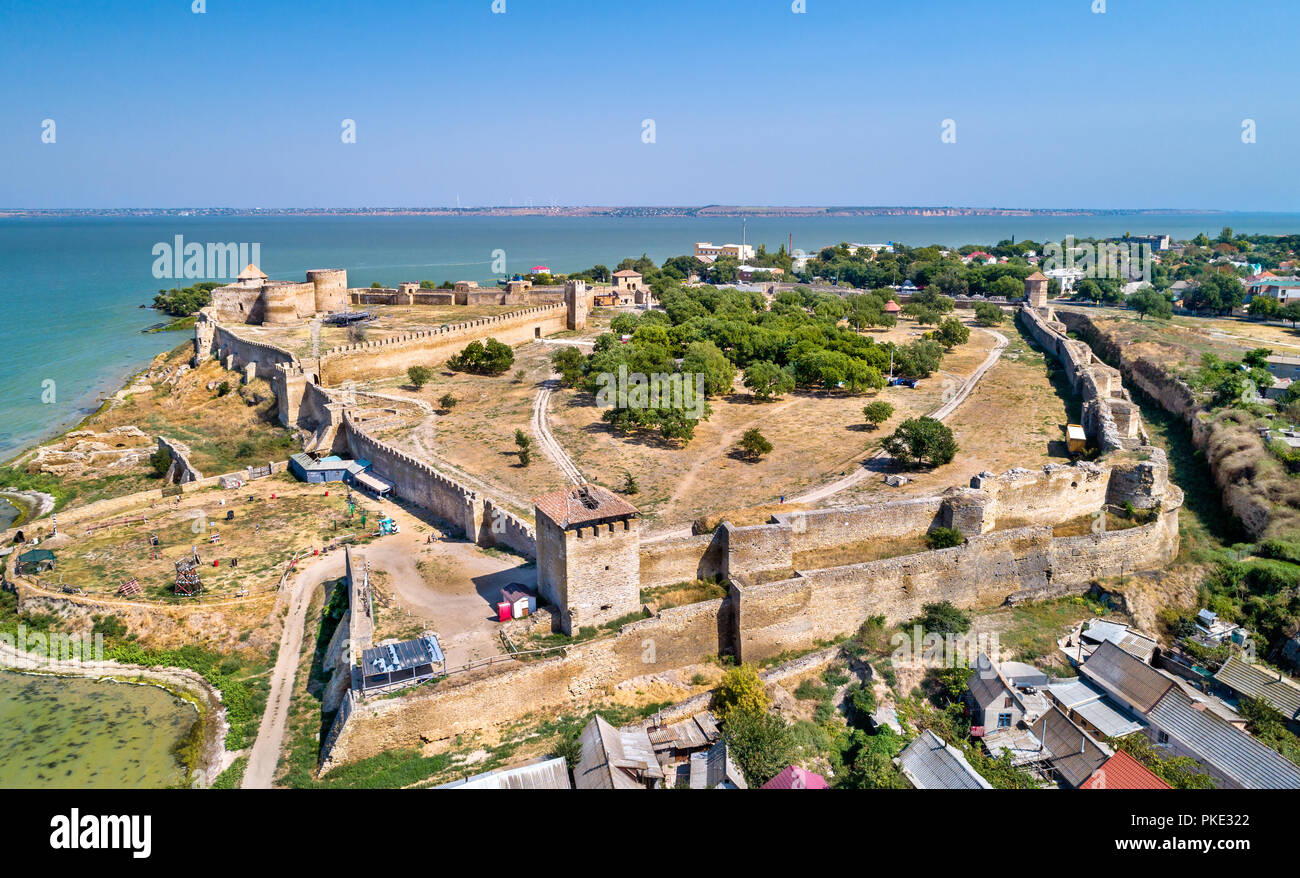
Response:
column 779, row 600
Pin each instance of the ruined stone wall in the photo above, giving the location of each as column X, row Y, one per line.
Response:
column 181, row 470
column 1109, row 417
column 236, row 353
column 392, row 356
column 237, row 304
column 833, row 528
column 682, row 559
column 462, row 704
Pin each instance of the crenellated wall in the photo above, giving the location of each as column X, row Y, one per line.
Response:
column 429, row 347
column 417, row 482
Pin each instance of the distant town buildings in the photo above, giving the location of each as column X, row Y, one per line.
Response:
column 706, row 252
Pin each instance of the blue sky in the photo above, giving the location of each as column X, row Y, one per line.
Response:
column 1054, row 105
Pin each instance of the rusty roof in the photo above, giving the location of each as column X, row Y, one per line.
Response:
column 1123, row 772
column 586, row 504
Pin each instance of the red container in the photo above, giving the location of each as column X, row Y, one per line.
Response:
column 503, row 611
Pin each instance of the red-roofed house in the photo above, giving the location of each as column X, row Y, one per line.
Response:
column 792, row 777
column 1123, row 772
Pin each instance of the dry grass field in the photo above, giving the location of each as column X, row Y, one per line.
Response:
column 817, row 436
column 1015, row 417
column 264, row 533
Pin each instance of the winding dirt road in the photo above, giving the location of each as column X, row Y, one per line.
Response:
column 265, row 752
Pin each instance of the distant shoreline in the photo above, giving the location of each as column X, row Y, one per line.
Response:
column 705, row 211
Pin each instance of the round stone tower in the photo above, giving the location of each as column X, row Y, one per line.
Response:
column 281, row 303
column 331, row 289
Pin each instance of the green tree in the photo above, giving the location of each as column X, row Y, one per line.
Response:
column 766, row 379
column 988, row 314
column 876, row 413
column 761, row 744
column 447, row 402
column 740, row 690
column 568, row 362
column 921, row 441
column 419, row 376
column 941, row 617
column 489, row 357
column 705, row 358
column 1148, row 301
column 753, row 444
column 952, row 332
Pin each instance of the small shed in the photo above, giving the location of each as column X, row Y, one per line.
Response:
column 522, row 600
column 36, row 561
column 313, row 471
column 1075, row 439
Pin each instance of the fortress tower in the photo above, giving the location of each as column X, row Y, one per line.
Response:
column 1036, row 290
column 576, row 299
column 588, row 555
column 331, row 289
column 204, row 332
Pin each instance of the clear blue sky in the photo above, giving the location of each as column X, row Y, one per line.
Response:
column 1055, row 106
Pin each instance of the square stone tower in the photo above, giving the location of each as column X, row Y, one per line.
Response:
column 1036, row 290
column 588, row 555
column 575, row 298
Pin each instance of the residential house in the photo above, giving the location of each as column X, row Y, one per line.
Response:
column 929, row 763
column 1184, row 724
column 1074, row 754
column 792, row 777
column 713, row 769
column 1249, row 680
column 1123, row 772
column 616, row 759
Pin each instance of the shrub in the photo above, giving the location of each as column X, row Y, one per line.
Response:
column 489, row 357
column 944, row 538
column 740, row 690
column 447, row 402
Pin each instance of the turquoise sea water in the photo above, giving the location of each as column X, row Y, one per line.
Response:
column 70, row 287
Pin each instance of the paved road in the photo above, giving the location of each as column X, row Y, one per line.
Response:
column 265, row 753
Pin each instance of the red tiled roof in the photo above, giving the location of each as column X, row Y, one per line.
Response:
column 792, row 777
column 892, row 306
column 1123, row 772
column 583, row 505
column 627, row 272
column 1037, row 275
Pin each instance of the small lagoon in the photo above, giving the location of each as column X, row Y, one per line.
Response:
column 73, row 732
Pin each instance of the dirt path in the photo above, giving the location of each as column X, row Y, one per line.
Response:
column 265, row 753
column 542, row 430
column 941, row 413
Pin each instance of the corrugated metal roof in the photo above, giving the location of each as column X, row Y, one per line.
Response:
column 713, row 768
column 615, row 759
column 1221, row 745
column 1108, row 720
column 542, row 774
column 692, row 733
column 1245, row 678
column 1136, row 684
column 1123, row 772
column 1075, row 754
column 931, row 764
